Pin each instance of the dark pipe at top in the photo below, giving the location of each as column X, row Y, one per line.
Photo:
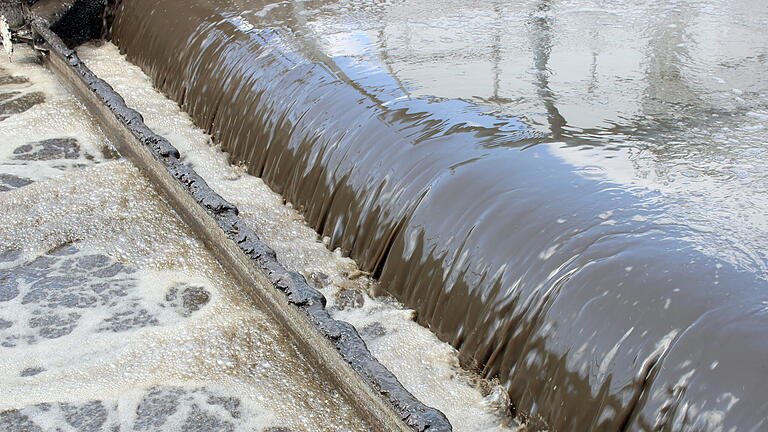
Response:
column 595, row 312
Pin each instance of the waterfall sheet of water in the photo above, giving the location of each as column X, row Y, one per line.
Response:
column 594, row 238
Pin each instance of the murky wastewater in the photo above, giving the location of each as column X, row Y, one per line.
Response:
column 570, row 193
column 644, row 94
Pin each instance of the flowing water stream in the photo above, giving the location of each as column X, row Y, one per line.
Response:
column 570, row 193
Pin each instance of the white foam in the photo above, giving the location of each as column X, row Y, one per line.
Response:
column 113, row 314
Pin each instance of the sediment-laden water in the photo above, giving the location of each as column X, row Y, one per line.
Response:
column 572, row 194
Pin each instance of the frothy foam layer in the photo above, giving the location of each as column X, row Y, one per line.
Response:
column 426, row 367
column 159, row 408
column 111, row 313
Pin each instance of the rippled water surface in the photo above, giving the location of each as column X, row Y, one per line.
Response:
column 662, row 96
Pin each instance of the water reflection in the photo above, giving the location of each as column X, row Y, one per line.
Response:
column 668, row 96
column 538, row 180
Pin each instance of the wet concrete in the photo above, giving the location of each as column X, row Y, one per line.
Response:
column 604, row 298
column 74, row 21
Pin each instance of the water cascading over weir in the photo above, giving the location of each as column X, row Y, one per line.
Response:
column 593, row 310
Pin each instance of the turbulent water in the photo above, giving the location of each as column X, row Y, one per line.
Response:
column 571, row 193
column 662, row 96
column 112, row 315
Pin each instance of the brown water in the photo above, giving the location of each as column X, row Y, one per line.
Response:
column 572, row 194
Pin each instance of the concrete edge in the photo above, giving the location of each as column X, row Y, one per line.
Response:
column 334, row 346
